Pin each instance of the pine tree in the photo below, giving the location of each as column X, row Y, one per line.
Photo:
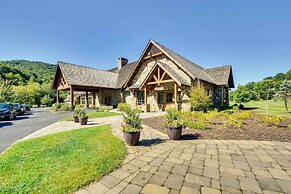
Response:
column 284, row 93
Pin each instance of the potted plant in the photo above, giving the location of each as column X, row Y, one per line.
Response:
column 131, row 126
column 173, row 124
column 83, row 117
column 76, row 114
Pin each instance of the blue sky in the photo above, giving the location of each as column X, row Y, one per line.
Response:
column 253, row 36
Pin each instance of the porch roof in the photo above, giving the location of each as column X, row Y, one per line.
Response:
column 77, row 75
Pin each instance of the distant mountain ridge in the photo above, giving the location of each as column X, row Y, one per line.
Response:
column 19, row 72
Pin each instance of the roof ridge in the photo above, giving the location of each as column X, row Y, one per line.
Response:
column 178, row 54
column 218, row 67
column 66, row 63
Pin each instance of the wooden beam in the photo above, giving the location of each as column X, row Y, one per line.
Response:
column 163, row 81
column 58, row 96
column 87, row 100
column 154, row 55
column 155, row 77
column 175, row 94
column 163, row 75
column 159, row 73
column 145, row 99
column 94, row 99
column 72, row 96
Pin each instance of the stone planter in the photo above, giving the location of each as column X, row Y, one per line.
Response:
column 76, row 119
column 83, row 121
column 174, row 133
column 131, row 138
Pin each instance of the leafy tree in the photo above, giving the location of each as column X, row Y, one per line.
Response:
column 242, row 95
column 46, row 100
column 199, row 100
column 6, row 94
column 284, row 93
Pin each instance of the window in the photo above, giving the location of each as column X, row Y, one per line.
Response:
column 83, row 100
column 90, row 100
column 140, row 98
column 161, row 98
column 169, row 97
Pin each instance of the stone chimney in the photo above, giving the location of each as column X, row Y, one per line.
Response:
column 121, row 62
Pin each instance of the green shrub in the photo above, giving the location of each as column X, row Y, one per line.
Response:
column 228, row 111
column 131, row 119
column 105, row 108
column 173, row 118
column 82, row 113
column 275, row 120
column 241, row 106
column 232, row 121
column 243, row 115
column 198, row 125
column 56, row 106
column 199, row 100
column 64, row 107
column 77, row 111
column 122, row 106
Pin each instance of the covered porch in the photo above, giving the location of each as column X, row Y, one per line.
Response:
column 161, row 89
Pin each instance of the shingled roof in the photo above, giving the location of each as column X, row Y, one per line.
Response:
column 190, row 67
column 124, row 73
column 87, row 76
column 222, row 75
column 118, row 78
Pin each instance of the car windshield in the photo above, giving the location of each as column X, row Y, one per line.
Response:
column 3, row 105
column 15, row 105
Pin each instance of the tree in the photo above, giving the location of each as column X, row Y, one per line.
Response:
column 199, row 100
column 46, row 100
column 284, row 93
column 6, row 94
column 242, row 95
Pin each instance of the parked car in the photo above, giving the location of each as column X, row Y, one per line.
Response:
column 18, row 109
column 34, row 106
column 26, row 107
column 7, row 111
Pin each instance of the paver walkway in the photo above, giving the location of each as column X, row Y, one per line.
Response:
column 160, row 166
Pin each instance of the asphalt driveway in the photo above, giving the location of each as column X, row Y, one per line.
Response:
column 11, row 131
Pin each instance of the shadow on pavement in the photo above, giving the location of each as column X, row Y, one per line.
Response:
column 150, row 142
column 190, row 136
column 5, row 123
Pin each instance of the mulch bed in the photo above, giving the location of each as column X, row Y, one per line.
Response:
column 251, row 130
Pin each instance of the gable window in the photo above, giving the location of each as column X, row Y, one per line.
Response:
column 169, row 97
column 161, row 97
column 140, row 98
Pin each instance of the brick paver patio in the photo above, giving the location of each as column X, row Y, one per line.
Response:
column 159, row 165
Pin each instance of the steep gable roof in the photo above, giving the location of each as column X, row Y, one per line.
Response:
column 222, row 75
column 86, row 76
column 192, row 69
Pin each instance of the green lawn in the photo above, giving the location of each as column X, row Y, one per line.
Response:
column 92, row 115
column 270, row 107
column 60, row 163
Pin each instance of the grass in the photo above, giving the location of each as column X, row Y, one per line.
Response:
column 60, row 163
column 93, row 115
column 269, row 107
